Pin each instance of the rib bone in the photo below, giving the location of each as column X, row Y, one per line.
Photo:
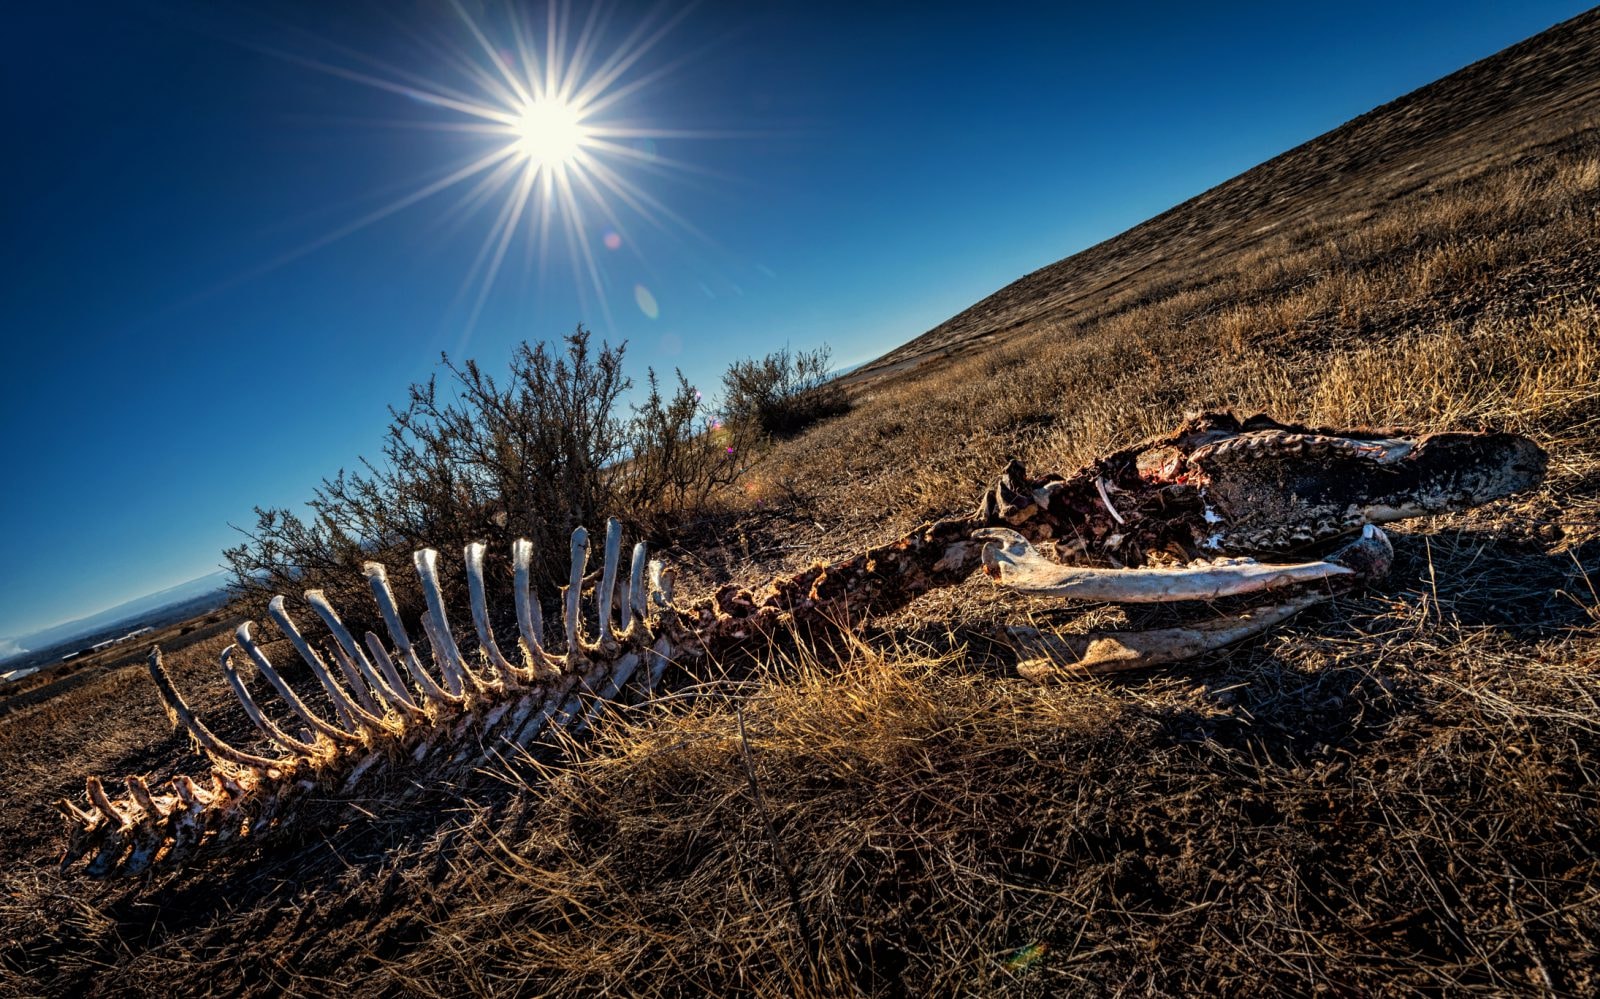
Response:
column 207, row 740
column 508, row 673
column 530, row 621
column 351, row 714
column 359, row 671
column 608, row 577
column 447, row 656
column 570, row 617
column 271, row 731
column 290, row 698
column 633, row 602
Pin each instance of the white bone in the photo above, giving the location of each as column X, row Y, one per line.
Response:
column 383, row 596
column 633, row 599
column 446, row 655
column 555, row 697
column 607, row 692
column 480, row 616
column 351, row 714
column 580, row 563
column 1022, row 568
column 378, row 580
column 450, row 671
column 388, row 702
column 290, row 698
column 1116, row 652
column 275, row 734
column 568, row 712
column 391, row 676
column 530, row 621
column 363, row 680
column 608, row 576
column 203, row 736
column 660, row 657
column 661, row 584
column 1105, row 498
column 360, row 694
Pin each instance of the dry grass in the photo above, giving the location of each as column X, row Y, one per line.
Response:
column 1397, row 795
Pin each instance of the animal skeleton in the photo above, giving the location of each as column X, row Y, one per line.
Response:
column 1137, row 526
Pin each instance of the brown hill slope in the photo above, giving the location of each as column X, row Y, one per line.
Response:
column 1481, row 117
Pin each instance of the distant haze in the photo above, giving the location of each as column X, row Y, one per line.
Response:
column 213, row 582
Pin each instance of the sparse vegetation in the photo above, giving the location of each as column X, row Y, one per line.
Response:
column 1393, row 796
column 478, row 459
column 782, row 393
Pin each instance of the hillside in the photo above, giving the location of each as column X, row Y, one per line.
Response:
column 1491, row 113
column 1393, row 794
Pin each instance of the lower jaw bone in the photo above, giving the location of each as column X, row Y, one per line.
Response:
column 1051, row 655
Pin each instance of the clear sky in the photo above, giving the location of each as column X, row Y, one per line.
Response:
column 194, row 321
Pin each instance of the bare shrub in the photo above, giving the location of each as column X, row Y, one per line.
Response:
column 484, row 460
column 682, row 456
column 783, row 393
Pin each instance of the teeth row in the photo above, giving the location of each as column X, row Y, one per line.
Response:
column 376, row 712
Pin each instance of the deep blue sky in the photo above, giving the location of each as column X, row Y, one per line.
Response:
column 874, row 171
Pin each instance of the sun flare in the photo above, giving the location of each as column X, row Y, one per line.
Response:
column 549, row 133
column 556, row 138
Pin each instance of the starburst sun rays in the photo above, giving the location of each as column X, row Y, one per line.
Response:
column 551, row 148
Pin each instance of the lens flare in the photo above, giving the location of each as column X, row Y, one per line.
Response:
column 646, row 302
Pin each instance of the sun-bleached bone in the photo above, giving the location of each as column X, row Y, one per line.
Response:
column 264, row 666
column 349, row 658
column 1214, row 484
column 274, row 734
column 378, row 580
column 634, row 600
column 1019, row 566
column 1049, row 654
column 608, row 577
column 383, row 596
column 353, row 716
column 509, row 675
column 661, row 583
column 385, row 661
column 446, row 654
column 530, row 619
column 208, row 741
column 357, row 668
column 570, row 617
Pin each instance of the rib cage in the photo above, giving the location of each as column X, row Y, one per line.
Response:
column 459, row 708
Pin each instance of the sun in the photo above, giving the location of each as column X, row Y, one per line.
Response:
column 550, row 133
column 555, row 132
